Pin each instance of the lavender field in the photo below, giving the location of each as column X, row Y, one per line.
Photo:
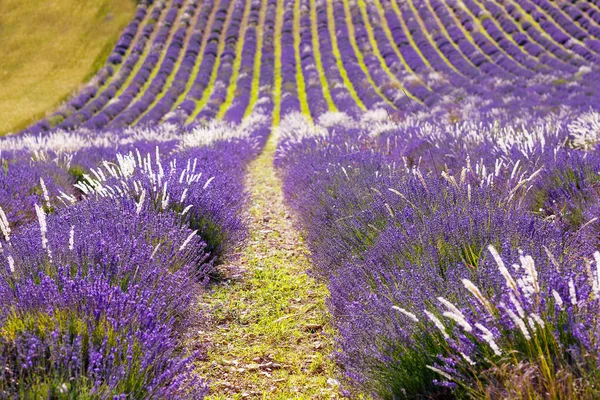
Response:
column 313, row 199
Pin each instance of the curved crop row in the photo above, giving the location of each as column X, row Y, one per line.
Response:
column 194, row 61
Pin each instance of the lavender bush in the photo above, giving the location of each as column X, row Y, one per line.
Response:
column 410, row 222
column 107, row 239
column 94, row 308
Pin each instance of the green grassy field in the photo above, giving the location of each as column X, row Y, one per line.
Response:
column 48, row 48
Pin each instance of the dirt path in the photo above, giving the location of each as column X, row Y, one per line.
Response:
column 268, row 337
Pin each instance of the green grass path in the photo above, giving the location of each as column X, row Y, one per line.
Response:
column 268, row 336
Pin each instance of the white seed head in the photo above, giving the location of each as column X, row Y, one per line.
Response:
column 72, row 238
column 572, row 292
column 11, row 264
column 410, row 315
column 558, row 299
column 438, row 324
column 189, row 238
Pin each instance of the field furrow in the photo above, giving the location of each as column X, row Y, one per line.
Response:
column 229, row 34
column 227, row 62
column 177, row 71
column 315, row 45
column 241, row 70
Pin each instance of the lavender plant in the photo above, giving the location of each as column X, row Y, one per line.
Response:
column 100, row 265
column 94, row 308
column 403, row 221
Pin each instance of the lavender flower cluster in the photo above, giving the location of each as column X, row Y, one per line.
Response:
column 107, row 239
column 462, row 259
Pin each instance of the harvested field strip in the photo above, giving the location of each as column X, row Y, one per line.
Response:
column 37, row 74
column 135, row 42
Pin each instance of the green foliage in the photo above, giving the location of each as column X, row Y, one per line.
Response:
column 566, row 193
column 77, row 173
column 407, row 376
column 70, row 326
column 56, row 119
column 560, row 81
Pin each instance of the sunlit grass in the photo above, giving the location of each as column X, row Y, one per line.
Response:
column 61, row 45
column 270, row 336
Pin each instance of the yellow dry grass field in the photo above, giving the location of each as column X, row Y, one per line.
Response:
column 49, row 48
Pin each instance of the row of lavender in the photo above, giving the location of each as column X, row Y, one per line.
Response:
column 462, row 259
column 429, row 79
column 176, row 61
column 107, row 238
